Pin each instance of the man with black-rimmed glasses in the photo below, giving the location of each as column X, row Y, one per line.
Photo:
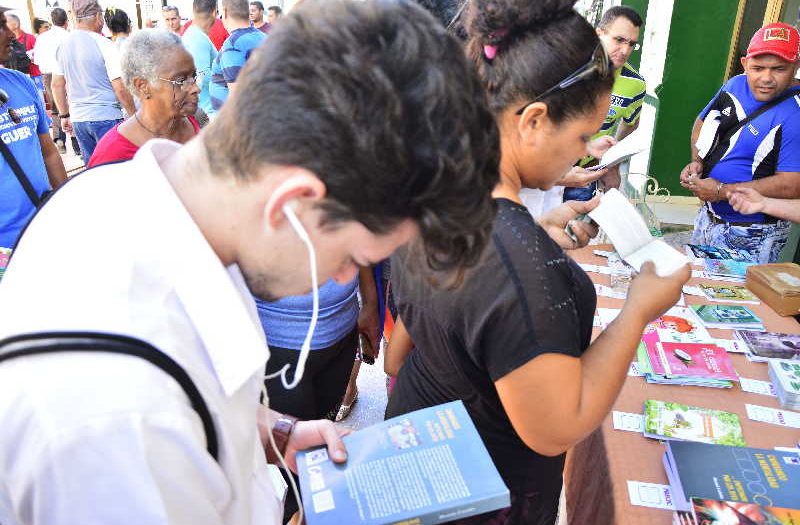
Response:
column 619, row 32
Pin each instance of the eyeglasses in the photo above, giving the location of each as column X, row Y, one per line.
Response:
column 183, row 83
column 620, row 40
column 598, row 63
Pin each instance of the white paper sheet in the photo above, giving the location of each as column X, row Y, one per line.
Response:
column 784, row 418
column 652, row 495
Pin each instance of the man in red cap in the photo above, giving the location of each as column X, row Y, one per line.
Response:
column 748, row 136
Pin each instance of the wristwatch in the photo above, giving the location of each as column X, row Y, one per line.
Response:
column 281, row 430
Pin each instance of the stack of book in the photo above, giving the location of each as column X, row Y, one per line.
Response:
column 726, row 269
column 687, row 364
column 785, row 376
column 728, row 316
column 713, row 484
column 728, row 293
column 698, row 253
column 762, row 346
column 665, row 420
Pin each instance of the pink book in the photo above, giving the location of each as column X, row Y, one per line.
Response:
column 691, row 360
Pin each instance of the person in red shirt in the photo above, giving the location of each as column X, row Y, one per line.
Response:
column 167, row 90
column 28, row 41
column 217, row 34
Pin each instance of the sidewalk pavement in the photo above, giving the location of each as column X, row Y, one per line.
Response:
column 72, row 163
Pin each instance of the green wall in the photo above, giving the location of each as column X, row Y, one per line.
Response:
column 699, row 41
column 641, row 8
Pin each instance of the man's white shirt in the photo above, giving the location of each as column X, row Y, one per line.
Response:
column 44, row 51
column 101, row 439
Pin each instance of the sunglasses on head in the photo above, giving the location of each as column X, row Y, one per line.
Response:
column 599, row 63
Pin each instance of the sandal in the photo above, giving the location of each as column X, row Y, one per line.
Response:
column 345, row 409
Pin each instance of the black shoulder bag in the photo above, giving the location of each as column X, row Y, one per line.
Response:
column 57, row 342
column 715, row 153
column 21, row 177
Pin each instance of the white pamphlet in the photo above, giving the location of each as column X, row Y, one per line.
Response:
column 626, row 148
column 605, row 270
column 693, row 290
column 756, row 386
column 784, row 418
column 607, row 291
column 631, row 237
column 628, row 421
column 634, row 370
column 654, row 495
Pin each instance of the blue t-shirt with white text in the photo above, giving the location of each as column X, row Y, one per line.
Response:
column 22, row 139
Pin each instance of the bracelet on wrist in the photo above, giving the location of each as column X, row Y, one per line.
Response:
column 65, row 115
column 719, row 187
column 281, row 431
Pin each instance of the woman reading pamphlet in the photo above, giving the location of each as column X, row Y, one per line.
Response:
column 513, row 339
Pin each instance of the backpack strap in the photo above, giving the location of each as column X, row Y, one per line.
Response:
column 20, row 174
column 58, row 342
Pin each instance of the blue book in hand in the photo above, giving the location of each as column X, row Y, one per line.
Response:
column 425, row 467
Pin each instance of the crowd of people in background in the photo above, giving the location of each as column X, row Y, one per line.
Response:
column 230, row 156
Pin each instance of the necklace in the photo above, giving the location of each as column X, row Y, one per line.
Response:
column 150, row 131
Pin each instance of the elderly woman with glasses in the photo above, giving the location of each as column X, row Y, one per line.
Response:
column 514, row 341
column 160, row 73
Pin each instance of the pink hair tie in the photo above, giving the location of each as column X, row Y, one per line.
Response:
column 490, row 50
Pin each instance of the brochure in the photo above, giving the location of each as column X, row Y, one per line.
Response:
column 426, row 467
column 699, row 252
column 734, row 474
column 679, row 325
column 646, row 368
column 730, row 293
column 631, row 237
column 761, row 346
column 665, row 420
column 623, row 150
column 692, row 360
column 727, row 316
column 727, row 268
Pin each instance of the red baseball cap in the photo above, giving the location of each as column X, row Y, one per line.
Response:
column 776, row 39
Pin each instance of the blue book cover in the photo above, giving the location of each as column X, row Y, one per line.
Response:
column 737, row 474
column 426, row 467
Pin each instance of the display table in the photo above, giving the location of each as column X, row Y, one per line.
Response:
column 598, row 468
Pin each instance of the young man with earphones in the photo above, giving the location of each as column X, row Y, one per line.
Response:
column 317, row 164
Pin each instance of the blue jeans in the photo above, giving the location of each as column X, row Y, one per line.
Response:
column 580, row 194
column 89, row 134
column 763, row 241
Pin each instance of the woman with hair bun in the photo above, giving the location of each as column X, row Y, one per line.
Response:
column 513, row 342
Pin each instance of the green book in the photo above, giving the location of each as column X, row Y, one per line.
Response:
column 665, row 420
column 727, row 316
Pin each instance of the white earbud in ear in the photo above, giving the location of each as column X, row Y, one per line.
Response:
column 292, row 205
column 288, row 209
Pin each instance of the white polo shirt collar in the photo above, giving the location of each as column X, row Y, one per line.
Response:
column 215, row 298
